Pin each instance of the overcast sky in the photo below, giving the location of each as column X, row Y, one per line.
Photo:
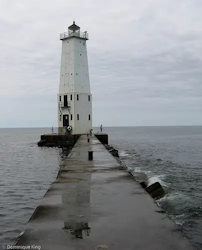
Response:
column 145, row 60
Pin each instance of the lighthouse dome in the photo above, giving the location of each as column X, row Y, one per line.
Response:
column 74, row 27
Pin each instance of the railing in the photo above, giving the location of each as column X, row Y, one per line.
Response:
column 62, row 105
column 83, row 35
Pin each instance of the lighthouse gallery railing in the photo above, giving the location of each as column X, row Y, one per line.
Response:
column 83, row 35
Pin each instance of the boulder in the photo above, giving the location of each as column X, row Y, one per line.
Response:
column 41, row 143
column 155, row 190
column 107, row 146
column 114, row 152
column 159, row 159
column 143, row 184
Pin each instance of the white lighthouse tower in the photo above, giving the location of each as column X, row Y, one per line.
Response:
column 74, row 98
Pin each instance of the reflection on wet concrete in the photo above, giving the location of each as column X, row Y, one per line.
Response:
column 76, row 201
column 78, row 228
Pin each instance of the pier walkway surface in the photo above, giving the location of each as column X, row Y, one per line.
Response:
column 97, row 205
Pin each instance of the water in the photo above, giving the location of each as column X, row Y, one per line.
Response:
column 26, row 172
column 170, row 155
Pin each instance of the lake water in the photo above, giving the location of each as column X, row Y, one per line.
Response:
column 170, row 155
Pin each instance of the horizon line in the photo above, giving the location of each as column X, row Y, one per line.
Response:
column 111, row 126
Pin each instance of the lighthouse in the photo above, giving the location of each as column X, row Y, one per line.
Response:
column 74, row 97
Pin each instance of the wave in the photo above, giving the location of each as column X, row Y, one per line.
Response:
column 122, row 153
column 157, row 178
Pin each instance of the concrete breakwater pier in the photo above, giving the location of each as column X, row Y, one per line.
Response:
column 95, row 204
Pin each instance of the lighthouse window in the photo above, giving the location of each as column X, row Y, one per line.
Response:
column 89, row 98
column 60, row 117
column 60, row 98
column 77, row 97
column 89, row 117
column 71, row 116
column 77, row 116
column 65, row 100
column 71, row 97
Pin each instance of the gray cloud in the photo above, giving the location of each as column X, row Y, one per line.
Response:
column 145, row 60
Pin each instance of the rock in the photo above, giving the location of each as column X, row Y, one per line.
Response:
column 114, row 152
column 41, row 143
column 159, row 159
column 155, row 190
column 143, row 184
column 107, row 146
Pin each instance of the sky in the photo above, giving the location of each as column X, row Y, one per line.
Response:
column 145, row 60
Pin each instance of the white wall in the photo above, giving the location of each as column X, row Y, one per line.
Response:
column 74, row 79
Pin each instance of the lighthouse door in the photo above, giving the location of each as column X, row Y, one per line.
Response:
column 65, row 120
